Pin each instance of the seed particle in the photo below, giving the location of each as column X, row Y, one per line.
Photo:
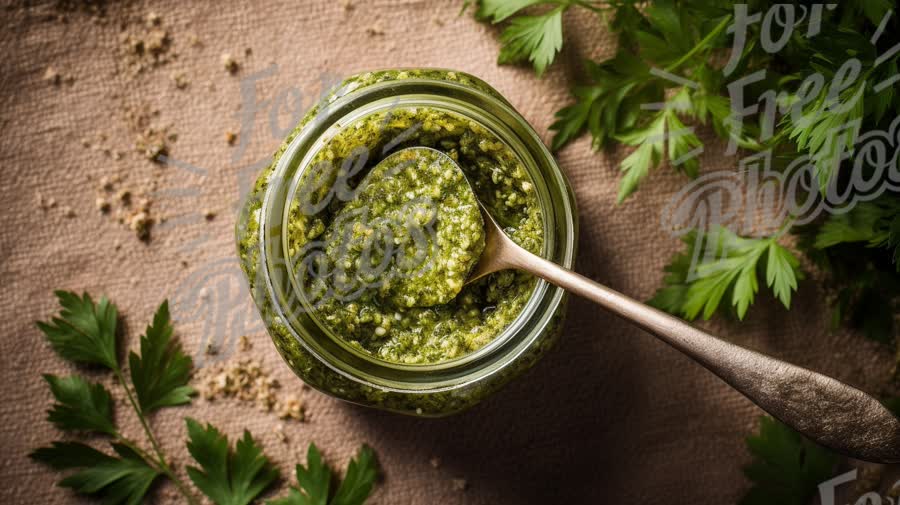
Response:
column 231, row 65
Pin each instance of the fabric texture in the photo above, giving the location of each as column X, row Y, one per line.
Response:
column 611, row 415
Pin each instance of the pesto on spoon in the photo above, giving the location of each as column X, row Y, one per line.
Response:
column 413, row 231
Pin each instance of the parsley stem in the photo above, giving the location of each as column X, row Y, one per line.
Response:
column 160, row 459
column 701, row 45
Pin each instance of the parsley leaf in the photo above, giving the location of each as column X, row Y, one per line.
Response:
column 84, row 332
column 829, row 127
column 161, row 372
column 227, row 477
column 732, row 269
column 606, row 106
column 535, row 38
column 665, row 134
column 532, row 38
column 124, row 479
column 787, row 468
column 80, row 405
column 498, row 10
column 315, row 480
column 877, row 223
column 357, row 484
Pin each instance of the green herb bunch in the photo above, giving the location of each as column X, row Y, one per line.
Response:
column 85, row 333
column 668, row 77
column 671, row 75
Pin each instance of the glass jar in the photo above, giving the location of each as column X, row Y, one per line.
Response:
column 328, row 363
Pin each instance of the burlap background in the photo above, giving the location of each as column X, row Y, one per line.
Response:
column 611, row 415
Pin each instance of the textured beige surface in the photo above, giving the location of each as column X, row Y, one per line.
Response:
column 611, row 415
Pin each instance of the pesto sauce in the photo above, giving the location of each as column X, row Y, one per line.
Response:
column 316, row 372
column 410, row 235
column 414, row 331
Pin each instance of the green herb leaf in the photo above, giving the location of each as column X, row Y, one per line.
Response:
column 664, row 130
column 532, row 38
column 498, row 10
column 314, row 480
column 781, row 273
column 124, row 479
column 827, row 128
column 787, row 468
column 610, row 105
column 228, row 477
column 84, row 332
column 161, row 372
column 731, row 268
column 80, row 405
column 359, row 480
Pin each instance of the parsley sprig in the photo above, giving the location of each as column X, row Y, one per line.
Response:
column 815, row 98
column 85, row 332
column 697, row 284
column 533, row 38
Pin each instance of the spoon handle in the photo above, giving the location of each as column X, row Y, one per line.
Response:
column 826, row 410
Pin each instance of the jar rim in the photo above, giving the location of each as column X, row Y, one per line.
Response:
column 556, row 201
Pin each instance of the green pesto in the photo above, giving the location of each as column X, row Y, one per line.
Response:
column 314, row 370
column 408, row 238
column 397, row 326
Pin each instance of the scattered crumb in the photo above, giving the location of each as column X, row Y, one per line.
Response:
column 147, row 48
column 211, row 349
column 460, row 484
column 52, row 76
column 180, row 80
column 248, row 52
column 347, row 5
column 292, row 408
column 45, row 204
column 435, row 462
column 194, row 40
column 68, row 212
column 374, row 30
column 124, row 196
column 278, row 429
column 439, row 21
column 230, row 137
column 150, row 140
column 247, row 381
column 140, row 223
column 209, row 215
column 152, row 144
column 244, row 343
column 103, row 205
column 106, row 184
column 153, row 19
column 231, row 65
